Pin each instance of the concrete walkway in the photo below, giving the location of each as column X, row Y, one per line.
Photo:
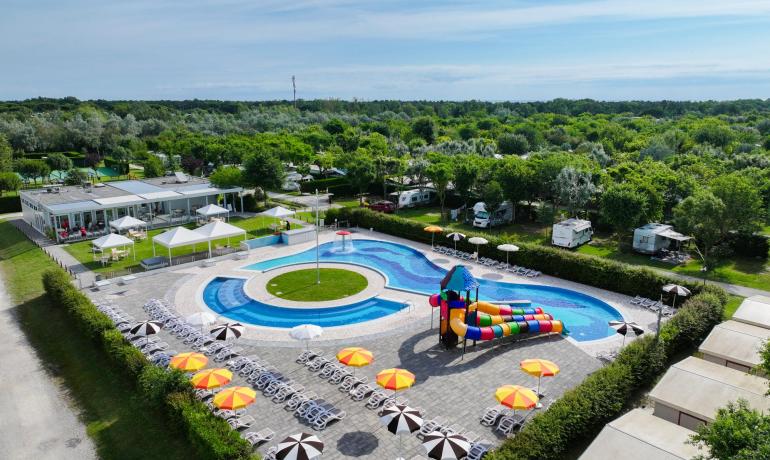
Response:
column 37, row 420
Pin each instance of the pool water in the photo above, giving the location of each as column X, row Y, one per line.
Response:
column 226, row 297
column 408, row 269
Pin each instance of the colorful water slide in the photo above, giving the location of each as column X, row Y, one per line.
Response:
column 486, row 321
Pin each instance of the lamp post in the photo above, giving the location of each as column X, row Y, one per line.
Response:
column 317, row 248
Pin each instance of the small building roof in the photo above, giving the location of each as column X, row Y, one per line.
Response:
column 113, row 240
column 178, row 236
column 219, row 229
column 754, row 310
column 736, row 342
column 639, row 435
column 576, row 224
column 699, row 388
column 212, row 210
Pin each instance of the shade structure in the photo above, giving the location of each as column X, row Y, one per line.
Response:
column 126, row 223
column 623, row 328
column 145, row 328
column 399, row 419
column 355, row 356
column 217, row 230
column 459, row 279
column 228, row 331
column 677, row 290
column 343, row 233
column 306, row 333
column 211, row 378
column 433, row 229
column 456, row 236
column 211, row 210
column 516, row 397
column 539, row 368
column 202, row 318
column 300, row 446
column 113, row 240
column 177, row 237
column 395, row 379
column 442, row 446
column 507, row 249
column 189, row 361
column 478, row 241
column 233, row 398
column 278, row 212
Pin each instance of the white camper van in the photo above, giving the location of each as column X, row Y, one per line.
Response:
column 412, row 198
column 571, row 233
column 653, row 237
column 484, row 219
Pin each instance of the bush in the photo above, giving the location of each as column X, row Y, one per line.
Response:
column 749, row 245
column 211, row 436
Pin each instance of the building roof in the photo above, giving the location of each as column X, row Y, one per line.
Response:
column 754, row 310
column 699, row 388
column 736, row 342
column 639, row 435
column 655, row 227
column 576, row 224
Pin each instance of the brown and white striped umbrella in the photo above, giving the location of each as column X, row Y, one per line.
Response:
column 401, row 418
column 145, row 328
column 301, row 446
column 445, row 446
column 228, row 331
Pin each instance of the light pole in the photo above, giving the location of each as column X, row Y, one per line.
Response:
column 317, row 248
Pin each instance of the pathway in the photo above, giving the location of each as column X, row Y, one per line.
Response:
column 735, row 289
column 37, row 420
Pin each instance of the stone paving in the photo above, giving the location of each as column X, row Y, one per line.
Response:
column 448, row 386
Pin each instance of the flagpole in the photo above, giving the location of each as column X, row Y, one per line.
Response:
column 317, row 249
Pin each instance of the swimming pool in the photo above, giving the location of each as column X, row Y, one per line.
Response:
column 408, row 269
column 227, row 297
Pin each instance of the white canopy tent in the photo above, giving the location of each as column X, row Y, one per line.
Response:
column 217, row 230
column 113, row 240
column 212, row 210
column 127, row 223
column 176, row 237
column 279, row 212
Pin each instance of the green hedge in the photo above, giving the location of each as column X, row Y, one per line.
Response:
column 10, row 204
column 582, row 412
column 594, row 271
column 210, row 436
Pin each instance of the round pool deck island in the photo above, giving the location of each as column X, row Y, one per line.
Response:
column 301, row 285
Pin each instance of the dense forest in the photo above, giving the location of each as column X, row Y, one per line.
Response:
column 704, row 165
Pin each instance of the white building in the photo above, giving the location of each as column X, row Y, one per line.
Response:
column 653, row 237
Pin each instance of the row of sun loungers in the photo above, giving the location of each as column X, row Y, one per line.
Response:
column 487, row 262
column 653, row 305
column 504, row 420
column 155, row 350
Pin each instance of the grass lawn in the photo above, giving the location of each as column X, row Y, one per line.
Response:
column 732, row 304
column 301, row 285
column 118, row 422
column 254, row 226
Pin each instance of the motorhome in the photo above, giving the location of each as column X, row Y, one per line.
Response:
column 654, row 237
column 571, row 233
column 412, row 198
column 482, row 218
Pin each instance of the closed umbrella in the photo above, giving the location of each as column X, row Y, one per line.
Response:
column 189, row 361
column 478, row 241
column 456, row 236
column 433, row 229
column 539, row 368
column 399, row 419
column 442, row 446
column 306, row 333
column 202, row 318
column 623, row 328
column 228, row 331
column 508, row 248
column 145, row 328
column 211, row 378
column 301, row 446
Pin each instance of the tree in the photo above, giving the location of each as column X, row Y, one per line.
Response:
column 76, row 177
column 738, row 433
column 153, row 167
column 32, row 169
column 466, row 173
column 714, row 133
column 700, row 216
column 6, row 155
column 425, row 128
column 9, row 182
column 623, row 207
column 264, row 170
column 574, row 188
column 418, row 169
column 227, row 177
column 335, row 126
column 362, row 171
column 743, row 203
column 58, row 162
column 440, row 173
column 512, row 144
column 493, row 197
column 657, row 150
column 517, row 179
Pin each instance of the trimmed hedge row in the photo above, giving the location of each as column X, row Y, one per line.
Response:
column 573, row 266
column 10, row 204
column 581, row 412
column 210, row 436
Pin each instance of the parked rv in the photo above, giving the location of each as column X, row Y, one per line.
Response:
column 482, row 218
column 412, row 198
column 571, row 233
column 654, row 237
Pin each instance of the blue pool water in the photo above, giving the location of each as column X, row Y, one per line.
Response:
column 408, row 269
column 227, row 297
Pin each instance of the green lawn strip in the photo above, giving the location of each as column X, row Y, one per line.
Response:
column 116, row 419
column 254, row 226
column 733, row 302
column 301, row 285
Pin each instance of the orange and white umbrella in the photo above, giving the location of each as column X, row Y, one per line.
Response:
column 516, row 397
column 211, row 378
column 355, row 357
column 433, row 229
column 189, row 361
column 539, row 368
column 395, row 379
column 234, row 398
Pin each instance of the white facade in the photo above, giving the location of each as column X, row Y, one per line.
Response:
column 571, row 233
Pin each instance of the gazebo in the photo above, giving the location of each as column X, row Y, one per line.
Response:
column 113, row 240
column 177, row 237
column 212, row 210
column 217, row 230
column 278, row 212
column 127, row 223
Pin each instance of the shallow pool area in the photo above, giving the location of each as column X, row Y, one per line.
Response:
column 407, row 269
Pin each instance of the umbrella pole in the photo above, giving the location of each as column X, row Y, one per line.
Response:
column 624, row 339
column 400, row 447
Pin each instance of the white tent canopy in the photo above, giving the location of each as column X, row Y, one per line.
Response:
column 113, row 240
column 277, row 212
column 127, row 222
column 176, row 237
column 212, row 210
column 218, row 230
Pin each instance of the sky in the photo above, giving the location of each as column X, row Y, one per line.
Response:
column 385, row 49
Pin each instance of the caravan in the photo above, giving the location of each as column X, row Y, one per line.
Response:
column 484, row 219
column 655, row 237
column 571, row 233
column 412, row 198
